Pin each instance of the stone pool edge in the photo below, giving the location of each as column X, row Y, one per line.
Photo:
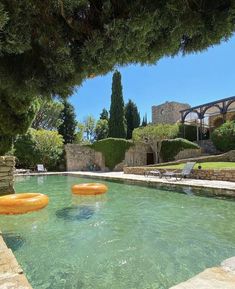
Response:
column 222, row 277
column 188, row 186
column 11, row 274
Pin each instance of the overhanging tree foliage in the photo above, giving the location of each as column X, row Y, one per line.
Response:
column 48, row 115
column 48, row 47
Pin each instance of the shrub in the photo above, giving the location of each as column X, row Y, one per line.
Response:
column 171, row 147
column 113, row 149
column 156, row 132
column 39, row 146
column 224, row 136
column 25, row 151
column 188, row 132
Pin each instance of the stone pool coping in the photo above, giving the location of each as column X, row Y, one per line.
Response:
column 222, row 277
column 189, row 186
column 11, row 274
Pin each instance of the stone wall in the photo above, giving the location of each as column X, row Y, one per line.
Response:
column 7, row 167
column 188, row 153
column 78, row 157
column 81, row 158
column 168, row 112
column 219, row 175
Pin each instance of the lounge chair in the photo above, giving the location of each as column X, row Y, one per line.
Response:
column 153, row 173
column 41, row 169
column 186, row 172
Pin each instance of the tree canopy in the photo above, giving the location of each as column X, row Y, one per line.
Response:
column 48, row 116
column 46, row 48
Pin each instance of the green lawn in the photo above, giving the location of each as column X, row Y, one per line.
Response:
column 208, row 165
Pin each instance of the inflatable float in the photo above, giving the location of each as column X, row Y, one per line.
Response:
column 89, row 189
column 22, row 203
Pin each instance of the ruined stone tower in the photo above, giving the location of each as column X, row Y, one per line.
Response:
column 168, row 112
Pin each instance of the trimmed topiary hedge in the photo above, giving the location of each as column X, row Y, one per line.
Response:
column 113, row 149
column 224, row 136
column 171, row 147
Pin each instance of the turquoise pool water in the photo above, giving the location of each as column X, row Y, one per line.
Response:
column 131, row 238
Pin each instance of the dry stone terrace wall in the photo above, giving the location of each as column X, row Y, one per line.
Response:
column 7, row 167
column 219, row 175
column 79, row 158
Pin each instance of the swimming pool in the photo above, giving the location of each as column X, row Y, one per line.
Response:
column 132, row 237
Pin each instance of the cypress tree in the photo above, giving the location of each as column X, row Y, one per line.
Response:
column 144, row 121
column 117, row 127
column 104, row 114
column 132, row 118
column 68, row 126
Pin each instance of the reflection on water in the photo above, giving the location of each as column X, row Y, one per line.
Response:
column 13, row 241
column 78, row 213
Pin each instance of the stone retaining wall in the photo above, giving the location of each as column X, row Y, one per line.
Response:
column 188, row 153
column 219, row 175
column 7, row 167
column 80, row 158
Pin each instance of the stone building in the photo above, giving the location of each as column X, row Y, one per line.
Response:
column 168, row 112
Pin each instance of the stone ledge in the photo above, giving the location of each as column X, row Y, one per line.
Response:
column 11, row 274
column 212, row 174
column 213, row 278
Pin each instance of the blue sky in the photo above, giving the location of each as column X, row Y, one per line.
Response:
column 194, row 79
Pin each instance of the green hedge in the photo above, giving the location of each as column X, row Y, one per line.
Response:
column 113, row 149
column 224, row 136
column 170, row 148
column 188, row 132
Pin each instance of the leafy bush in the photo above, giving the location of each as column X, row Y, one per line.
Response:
column 113, row 149
column 171, row 147
column 224, row 136
column 155, row 132
column 39, row 146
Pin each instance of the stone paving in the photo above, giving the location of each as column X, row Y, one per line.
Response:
column 11, row 274
column 220, row 188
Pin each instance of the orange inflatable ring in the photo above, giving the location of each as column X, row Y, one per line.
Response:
column 89, row 189
column 22, row 203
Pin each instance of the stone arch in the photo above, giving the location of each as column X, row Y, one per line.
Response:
column 188, row 113
column 229, row 103
column 212, row 106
